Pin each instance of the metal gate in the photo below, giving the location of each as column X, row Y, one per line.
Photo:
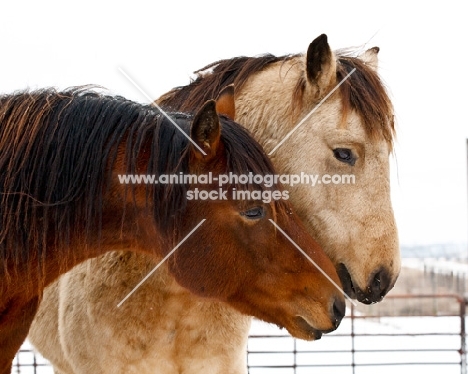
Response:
column 373, row 343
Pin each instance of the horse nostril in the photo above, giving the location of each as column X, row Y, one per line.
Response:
column 379, row 285
column 376, row 283
column 339, row 311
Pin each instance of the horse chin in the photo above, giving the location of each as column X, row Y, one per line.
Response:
column 301, row 329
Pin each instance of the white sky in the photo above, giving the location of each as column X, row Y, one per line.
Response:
column 423, row 61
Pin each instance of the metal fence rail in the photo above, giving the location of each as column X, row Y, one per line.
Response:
column 27, row 362
column 365, row 343
column 372, row 343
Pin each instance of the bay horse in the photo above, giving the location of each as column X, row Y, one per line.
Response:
column 351, row 132
column 62, row 202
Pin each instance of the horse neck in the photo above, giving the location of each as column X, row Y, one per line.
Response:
column 173, row 314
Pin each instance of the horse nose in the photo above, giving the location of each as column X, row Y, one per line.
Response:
column 339, row 311
column 379, row 285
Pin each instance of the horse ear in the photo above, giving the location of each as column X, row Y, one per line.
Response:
column 225, row 102
column 321, row 63
column 370, row 57
column 206, row 131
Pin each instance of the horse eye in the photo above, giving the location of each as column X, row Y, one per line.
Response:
column 344, row 155
column 254, row 213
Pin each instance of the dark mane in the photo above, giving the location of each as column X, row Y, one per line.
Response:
column 57, row 154
column 363, row 92
column 211, row 79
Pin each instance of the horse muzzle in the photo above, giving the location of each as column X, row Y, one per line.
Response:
column 304, row 328
column 377, row 287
